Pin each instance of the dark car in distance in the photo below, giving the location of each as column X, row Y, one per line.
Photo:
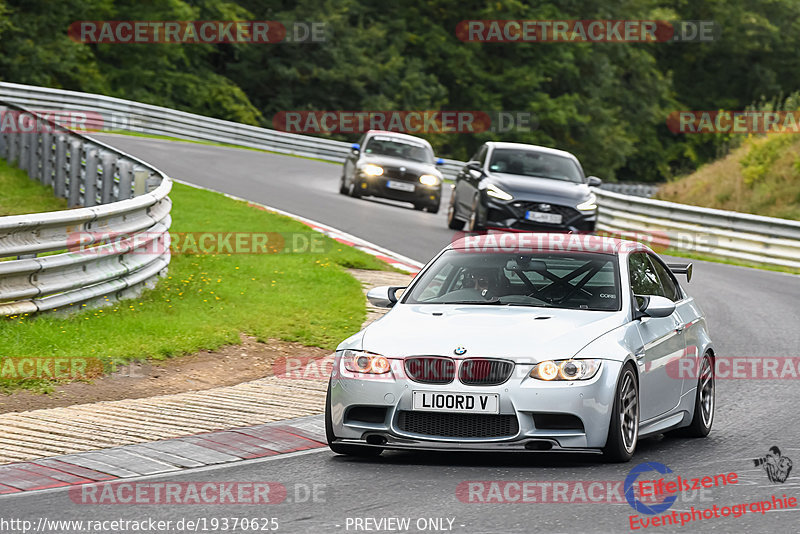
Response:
column 394, row 166
column 523, row 187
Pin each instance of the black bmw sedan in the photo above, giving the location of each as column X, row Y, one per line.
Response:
column 395, row 166
column 523, row 187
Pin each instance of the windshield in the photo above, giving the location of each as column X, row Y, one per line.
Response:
column 380, row 145
column 578, row 281
column 532, row 163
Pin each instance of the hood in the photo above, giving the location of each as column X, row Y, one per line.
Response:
column 523, row 187
column 389, row 162
column 518, row 333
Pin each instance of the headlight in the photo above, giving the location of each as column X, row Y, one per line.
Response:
column 566, row 370
column 590, row 204
column 372, row 170
column 365, row 362
column 496, row 192
column 429, row 179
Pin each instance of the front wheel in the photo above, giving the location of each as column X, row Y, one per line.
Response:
column 342, row 185
column 353, row 190
column 452, row 222
column 474, row 223
column 338, row 448
column 623, row 430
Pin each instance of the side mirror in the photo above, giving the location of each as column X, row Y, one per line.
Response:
column 594, row 181
column 655, row 306
column 474, row 168
column 355, row 148
column 439, row 161
column 474, row 165
column 383, row 296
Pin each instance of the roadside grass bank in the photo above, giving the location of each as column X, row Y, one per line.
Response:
column 208, row 300
column 761, row 177
column 20, row 195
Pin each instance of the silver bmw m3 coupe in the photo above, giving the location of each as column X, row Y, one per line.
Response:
column 527, row 342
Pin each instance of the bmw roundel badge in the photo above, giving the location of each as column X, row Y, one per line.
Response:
column 459, row 351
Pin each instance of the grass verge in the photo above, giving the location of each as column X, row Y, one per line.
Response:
column 207, row 300
column 761, row 177
column 20, row 195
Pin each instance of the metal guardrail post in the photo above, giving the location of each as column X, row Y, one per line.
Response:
column 108, row 167
column 60, row 166
column 3, row 134
column 140, row 182
column 22, row 155
column 33, row 156
column 12, row 148
column 91, row 166
column 47, row 158
column 75, row 168
column 125, row 185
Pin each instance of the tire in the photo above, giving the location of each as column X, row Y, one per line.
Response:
column 623, row 430
column 419, row 207
column 353, row 190
column 433, row 209
column 338, row 448
column 705, row 401
column 343, row 186
column 473, row 225
column 452, row 221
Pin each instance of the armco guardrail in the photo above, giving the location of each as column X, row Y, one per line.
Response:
column 111, row 246
column 100, row 112
column 726, row 234
column 636, row 190
column 693, row 229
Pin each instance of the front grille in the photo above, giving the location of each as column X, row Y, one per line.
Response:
column 567, row 213
column 396, row 174
column 482, row 372
column 458, row 425
column 430, row 369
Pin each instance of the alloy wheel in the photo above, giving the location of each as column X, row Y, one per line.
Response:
column 628, row 412
column 706, row 386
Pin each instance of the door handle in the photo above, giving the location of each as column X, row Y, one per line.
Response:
column 640, row 354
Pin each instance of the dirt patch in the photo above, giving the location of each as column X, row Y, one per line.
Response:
column 229, row 365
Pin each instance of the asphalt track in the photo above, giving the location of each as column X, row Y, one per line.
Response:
column 750, row 312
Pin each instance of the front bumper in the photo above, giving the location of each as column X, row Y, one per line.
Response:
column 512, row 215
column 522, row 397
column 377, row 186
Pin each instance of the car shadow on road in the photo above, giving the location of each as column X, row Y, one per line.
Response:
column 659, row 445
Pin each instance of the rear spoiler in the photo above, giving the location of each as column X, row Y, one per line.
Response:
column 681, row 268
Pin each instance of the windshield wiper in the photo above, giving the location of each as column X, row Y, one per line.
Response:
column 552, row 178
column 495, row 302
